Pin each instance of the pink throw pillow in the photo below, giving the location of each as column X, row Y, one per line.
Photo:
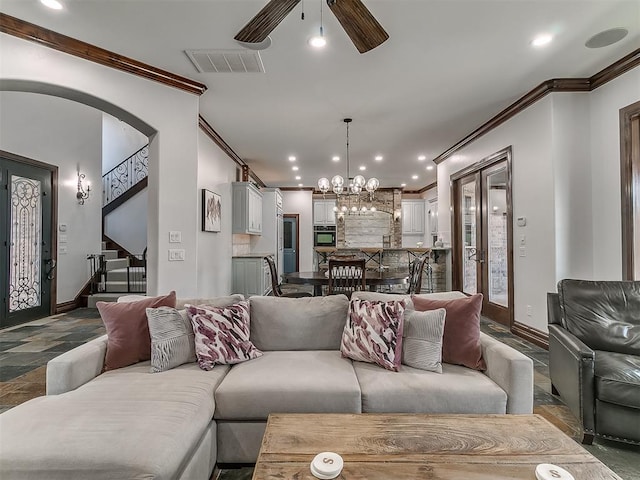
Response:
column 222, row 334
column 373, row 332
column 461, row 341
column 128, row 337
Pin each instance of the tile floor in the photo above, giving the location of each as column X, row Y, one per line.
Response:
column 25, row 350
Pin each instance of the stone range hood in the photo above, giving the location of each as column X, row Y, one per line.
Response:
column 367, row 230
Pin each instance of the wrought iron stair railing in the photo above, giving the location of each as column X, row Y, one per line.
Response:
column 124, row 176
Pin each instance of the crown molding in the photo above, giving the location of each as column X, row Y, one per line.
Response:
column 48, row 38
column 554, row 85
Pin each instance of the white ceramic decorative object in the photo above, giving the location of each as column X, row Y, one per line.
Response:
column 326, row 465
column 547, row 471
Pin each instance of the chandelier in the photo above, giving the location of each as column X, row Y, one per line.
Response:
column 355, row 185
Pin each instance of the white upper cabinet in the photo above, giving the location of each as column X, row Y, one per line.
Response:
column 247, row 208
column 413, row 217
column 323, row 213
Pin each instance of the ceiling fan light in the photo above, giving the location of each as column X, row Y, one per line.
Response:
column 318, row 41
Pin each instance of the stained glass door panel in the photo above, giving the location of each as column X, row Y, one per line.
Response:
column 26, row 255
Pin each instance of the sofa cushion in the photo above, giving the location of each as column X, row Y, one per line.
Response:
column 422, row 339
column 127, row 423
column 373, row 332
column 457, row 390
column 461, row 341
column 605, row 315
column 212, row 302
column 222, row 334
column 172, row 339
column 617, row 378
column 129, row 341
column 309, row 323
column 313, row 381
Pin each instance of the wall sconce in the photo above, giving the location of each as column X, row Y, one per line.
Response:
column 83, row 193
column 396, row 215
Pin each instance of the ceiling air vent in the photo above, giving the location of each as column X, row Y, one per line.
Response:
column 226, row 61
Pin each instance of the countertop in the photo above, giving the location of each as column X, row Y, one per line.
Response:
column 252, row 255
column 394, row 249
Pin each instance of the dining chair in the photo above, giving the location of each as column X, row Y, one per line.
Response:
column 275, row 286
column 346, row 276
column 415, row 275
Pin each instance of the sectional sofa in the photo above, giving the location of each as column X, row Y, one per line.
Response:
column 130, row 423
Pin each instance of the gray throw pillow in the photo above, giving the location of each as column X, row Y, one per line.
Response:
column 172, row 338
column 422, row 339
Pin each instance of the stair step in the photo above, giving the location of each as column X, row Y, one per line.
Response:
column 103, row 297
column 116, row 264
column 104, row 246
column 110, row 254
column 123, row 286
column 120, row 274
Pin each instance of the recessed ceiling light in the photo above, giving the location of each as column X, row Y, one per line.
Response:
column 606, row 38
column 422, row 158
column 362, row 168
column 403, row 184
column 336, row 158
column 298, row 177
column 301, row 185
column 294, row 168
column 54, row 4
column 541, row 40
column 378, row 158
column 292, row 158
column 415, row 177
column 429, row 167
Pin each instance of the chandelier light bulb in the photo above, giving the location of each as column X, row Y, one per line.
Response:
column 337, row 181
column 372, row 184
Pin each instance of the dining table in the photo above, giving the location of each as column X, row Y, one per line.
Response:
column 373, row 279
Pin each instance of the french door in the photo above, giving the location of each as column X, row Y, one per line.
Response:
column 483, row 253
column 27, row 256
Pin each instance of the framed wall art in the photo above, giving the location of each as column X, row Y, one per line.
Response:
column 211, row 211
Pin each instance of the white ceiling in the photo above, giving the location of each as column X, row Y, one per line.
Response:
column 448, row 67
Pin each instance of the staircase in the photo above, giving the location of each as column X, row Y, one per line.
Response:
column 117, row 273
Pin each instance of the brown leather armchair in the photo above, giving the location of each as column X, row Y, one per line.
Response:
column 594, row 355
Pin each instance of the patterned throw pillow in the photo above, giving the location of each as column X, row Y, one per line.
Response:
column 222, row 334
column 422, row 339
column 373, row 333
column 172, row 338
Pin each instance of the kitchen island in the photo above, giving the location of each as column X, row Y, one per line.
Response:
column 396, row 259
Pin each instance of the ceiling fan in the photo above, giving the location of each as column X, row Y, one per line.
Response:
column 363, row 29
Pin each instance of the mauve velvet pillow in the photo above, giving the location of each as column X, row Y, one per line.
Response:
column 461, row 342
column 128, row 338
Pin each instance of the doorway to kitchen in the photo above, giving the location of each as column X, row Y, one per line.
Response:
column 291, row 255
column 28, row 256
column 630, row 187
column 483, row 234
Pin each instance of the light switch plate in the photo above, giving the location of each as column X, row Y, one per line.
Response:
column 62, row 238
column 62, row 227
column 175, row 237
column 62, row 250
column 176, row 255
column 523, row 252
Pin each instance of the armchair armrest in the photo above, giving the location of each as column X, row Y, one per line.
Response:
column 76, row 367
column 512, row 371
column 571, row 367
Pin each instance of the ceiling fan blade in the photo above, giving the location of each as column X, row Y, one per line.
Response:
column 363, row 29
column 267, row 19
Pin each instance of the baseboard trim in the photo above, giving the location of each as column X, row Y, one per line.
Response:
column 67, row 306
column 533, row 335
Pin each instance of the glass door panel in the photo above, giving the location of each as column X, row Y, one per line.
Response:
column 469, row 236
column 497, row 268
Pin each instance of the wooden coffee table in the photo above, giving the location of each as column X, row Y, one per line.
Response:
column 408, row 446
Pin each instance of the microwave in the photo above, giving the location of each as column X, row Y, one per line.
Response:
column 324, row 236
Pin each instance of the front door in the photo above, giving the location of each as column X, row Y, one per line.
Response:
column 482, row 243
column 27, row 256
column 291, row 255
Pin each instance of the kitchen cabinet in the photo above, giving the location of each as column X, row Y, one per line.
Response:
column 271, row 239
column 323, row 213
column 413, row 217
column 250, row 275
column 247, row 208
